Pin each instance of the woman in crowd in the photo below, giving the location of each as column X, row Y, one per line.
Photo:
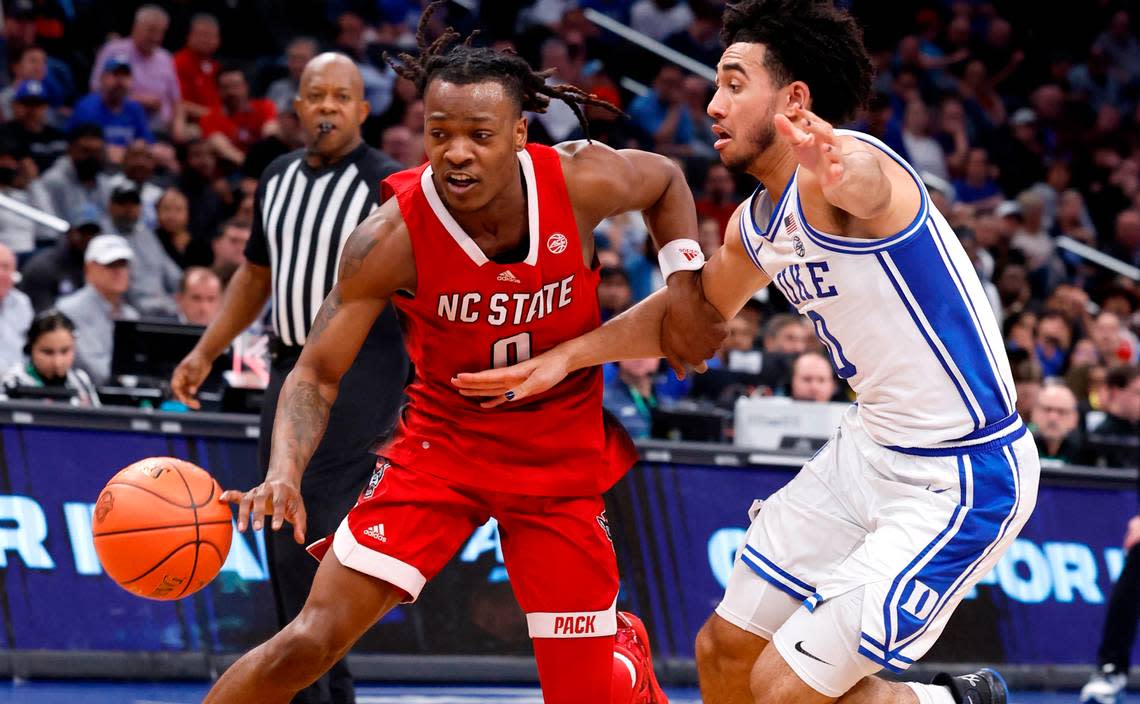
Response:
column 49, row 361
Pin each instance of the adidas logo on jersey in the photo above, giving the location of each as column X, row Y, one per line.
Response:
column 509, row 277
column 376, row 532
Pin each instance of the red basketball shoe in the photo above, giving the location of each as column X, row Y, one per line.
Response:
column 631, row 652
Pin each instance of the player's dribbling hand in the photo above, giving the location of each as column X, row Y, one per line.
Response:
column 692, row 329
column 273, row 497
column 814, row 144
column 515, row 382
column 188, row 376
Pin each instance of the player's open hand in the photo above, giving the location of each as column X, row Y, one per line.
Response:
column 188, row 376
column 516, row 382
column 278, row 498
column 814, row 144
column 692, row 329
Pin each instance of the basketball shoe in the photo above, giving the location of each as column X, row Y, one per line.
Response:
column 1106, row 686
column 633, row 664
column 985, row 686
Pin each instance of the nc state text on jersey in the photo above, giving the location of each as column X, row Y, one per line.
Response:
column 506, row 308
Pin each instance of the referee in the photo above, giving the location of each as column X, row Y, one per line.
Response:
column 306, row 205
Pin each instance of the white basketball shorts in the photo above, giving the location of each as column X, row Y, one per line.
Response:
column 858, row 562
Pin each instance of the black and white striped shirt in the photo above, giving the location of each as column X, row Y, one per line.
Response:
column 302, row 218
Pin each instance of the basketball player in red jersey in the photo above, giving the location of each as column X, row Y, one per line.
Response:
column 488, row 255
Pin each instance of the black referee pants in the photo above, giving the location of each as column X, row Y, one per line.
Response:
column 1120, row 619
column 365, row 410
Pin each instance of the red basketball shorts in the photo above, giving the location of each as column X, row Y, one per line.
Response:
column 406, row 525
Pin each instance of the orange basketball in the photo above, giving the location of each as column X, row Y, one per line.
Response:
column 159, row 529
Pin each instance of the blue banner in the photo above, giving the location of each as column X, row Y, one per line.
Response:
column 676, row 528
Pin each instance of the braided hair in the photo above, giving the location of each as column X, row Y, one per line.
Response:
column 464, row 64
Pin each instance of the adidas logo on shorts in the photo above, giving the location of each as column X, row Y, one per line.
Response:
column 509, row 277
column 376, row 532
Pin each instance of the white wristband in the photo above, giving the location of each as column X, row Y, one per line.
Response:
column 680, row 255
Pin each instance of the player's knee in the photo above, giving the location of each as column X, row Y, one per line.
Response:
column 722, row 645
column 304, row 650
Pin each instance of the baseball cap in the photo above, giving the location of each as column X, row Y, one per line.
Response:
column 117, row 63
column 30, row 91
column 86, row 215
column 1023, row 116
column 126, row 192
column 108, row 249
column 1007, row 208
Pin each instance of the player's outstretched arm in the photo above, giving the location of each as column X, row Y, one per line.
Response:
column 604, row 182
column 377, row 261
column 726, row 283
column 852, row 176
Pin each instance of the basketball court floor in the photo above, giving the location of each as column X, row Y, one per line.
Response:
column 192, row 693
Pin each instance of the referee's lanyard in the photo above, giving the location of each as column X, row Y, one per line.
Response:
column 644, row 404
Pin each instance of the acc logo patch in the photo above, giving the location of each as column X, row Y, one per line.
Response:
column 556, row 243
column 799, row 245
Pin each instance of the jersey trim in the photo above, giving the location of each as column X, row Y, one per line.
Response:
column 748, row 220
column 855, row 245
column 461, row 237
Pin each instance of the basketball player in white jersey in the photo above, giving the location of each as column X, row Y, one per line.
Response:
column 856, row 564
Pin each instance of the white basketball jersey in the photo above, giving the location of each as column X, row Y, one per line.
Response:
column 904, row 318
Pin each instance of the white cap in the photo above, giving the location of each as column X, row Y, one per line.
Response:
column 108, row 249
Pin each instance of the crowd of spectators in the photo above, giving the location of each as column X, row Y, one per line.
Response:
column 145, row 127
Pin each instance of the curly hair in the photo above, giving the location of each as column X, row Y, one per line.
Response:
column 810, row 41
column 464, row 64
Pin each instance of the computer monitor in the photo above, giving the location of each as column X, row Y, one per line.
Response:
column 41, row 393
column 689, row 422
column 151, row 349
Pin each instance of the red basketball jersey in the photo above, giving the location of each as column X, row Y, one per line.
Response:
column 470, row 313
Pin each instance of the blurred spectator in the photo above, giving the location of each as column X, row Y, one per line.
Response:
column 30, row 66
column 155, row 277
column 138, row 171
column 353, row 38
column 1020, row 160
column 197, row 68
column 123, row 120
column 558, row 123
column 77, row 177
column 982, row 102
column 199, row 296
column 1026, row 381
column 1120, row 45
column 661, row 114
column 17, row 231
column 614, row 292
column 1030, row 238
column 660, row 18
column 925, row 152
column 283, row 91
column 953, row 134
column 58, row 271
column 977, row 186
column 700, row 39
column 1054, row 424
column 710, row 235
column 400, row 143
column 784, row 334
column 1071, row 218
column 155, row 80
column 15, row 310
column 239, row 121
column 173, row 231
column 50, row 360
column 229, row 248
column 718, row 197
column 200, row 183
column 1126, row 242
column 1095, row 82
column 1113, row 345
column 95, row 307
column 30, row 126
column 1054, row 338
column 812, row 378
column 1116, row 441
column 630, row 397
